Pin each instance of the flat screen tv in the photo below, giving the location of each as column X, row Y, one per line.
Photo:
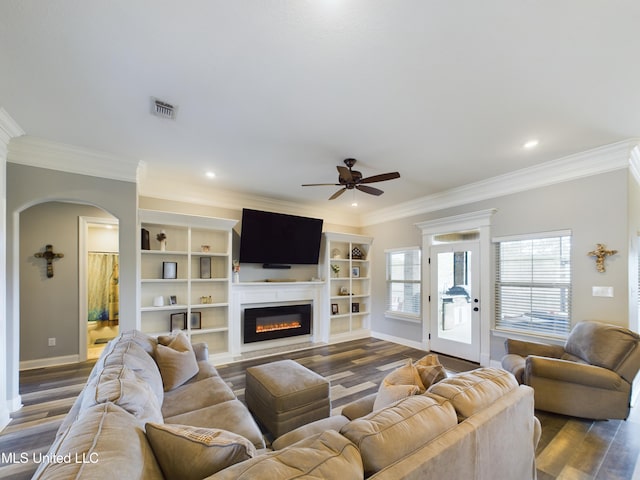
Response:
column 277, row 240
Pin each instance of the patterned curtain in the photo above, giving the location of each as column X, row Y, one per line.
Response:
column 103, row 290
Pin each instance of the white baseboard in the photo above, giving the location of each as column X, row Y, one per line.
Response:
column 49, row 362
column 399, row 340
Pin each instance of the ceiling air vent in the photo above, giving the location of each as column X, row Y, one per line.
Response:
column 163, row 109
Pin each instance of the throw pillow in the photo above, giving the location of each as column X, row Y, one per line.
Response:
column 402, row 382
column 430, row 370
column 388, row 394
column 185, row 452
column 176, row 361
column 405, row 375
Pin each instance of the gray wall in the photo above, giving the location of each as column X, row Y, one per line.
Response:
column 595, row 209
column 49, row 306
column 29, row 186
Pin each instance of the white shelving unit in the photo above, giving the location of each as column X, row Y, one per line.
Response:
column 190, row 240
column 349, row 290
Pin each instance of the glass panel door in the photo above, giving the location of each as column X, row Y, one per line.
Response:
column 454, row 297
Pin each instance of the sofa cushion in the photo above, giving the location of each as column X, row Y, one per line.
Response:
column 196, row 395
column 601, row 344
column 176, row 361
column 232, row 415
column 191, row 453
column 105, row 442
column 385, row 436
column 405, row 375
column 430, row 370
column 129, row 353
column 118, row 384
column 327, row 455
column 470, row 392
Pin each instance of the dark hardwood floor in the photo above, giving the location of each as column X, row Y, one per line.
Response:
column 570, row 448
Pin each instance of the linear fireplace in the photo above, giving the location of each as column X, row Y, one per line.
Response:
column 282, row 321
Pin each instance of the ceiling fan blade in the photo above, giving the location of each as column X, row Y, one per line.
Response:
column 345, row 174
column 337, row 194
column 370, row 190
column 321, row 185
column 380, row 178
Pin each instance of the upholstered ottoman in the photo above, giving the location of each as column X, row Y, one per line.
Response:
column 284, row 395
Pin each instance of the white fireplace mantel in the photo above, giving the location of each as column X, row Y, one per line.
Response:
column 253, row 294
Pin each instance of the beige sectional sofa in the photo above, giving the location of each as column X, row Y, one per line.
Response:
column 145, row 415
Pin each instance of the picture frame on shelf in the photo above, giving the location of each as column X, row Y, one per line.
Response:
column 173, row 300
column 195, row 321
column 355, row 308
column 178, row 321
column 205, row 267
column 169, row 270
column 355, row 272
column 334, row 309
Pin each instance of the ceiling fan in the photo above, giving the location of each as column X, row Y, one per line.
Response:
column 350, row 179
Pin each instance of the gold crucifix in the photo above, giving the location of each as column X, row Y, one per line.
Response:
column 48, row 255
column 601, row 253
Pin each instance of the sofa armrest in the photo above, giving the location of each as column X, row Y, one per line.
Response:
column 201, row 350
column 359, row 408
column 572, row 372
column 524, row 349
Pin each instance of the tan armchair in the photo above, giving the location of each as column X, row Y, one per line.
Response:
column 590, row 377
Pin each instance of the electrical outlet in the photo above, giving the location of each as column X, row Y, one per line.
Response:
column 52, row 342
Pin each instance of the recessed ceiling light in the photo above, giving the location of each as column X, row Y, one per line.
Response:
column 531, row 144
column 210, row 174
column 354, row 204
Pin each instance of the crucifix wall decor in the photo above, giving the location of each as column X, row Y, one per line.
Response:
column 49, row 255
column 601, row 253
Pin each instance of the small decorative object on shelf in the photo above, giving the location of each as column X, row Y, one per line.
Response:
column 162, row 238
column 355, row 272
column 335, row 269
column 144, row 239
column 206, row 299
column 173, row 300
column 343, row 291
column 169, row 270
column 356, row 254
column 355, row 307
column 205, row 248
column 335, row 253
column 334, row 308
column 158, row 301
column 195, row 321
column 205, row 267
column 236, row 271
column 178, row 321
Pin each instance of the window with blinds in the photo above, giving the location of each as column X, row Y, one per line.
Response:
column 533, row 284
column 404, row 282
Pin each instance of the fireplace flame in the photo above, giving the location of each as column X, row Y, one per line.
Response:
column 272, row 327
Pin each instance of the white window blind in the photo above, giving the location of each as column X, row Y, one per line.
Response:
column 533, row 285
column 404, row 282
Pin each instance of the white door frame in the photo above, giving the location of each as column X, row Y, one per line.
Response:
column 478, row 222
column 83, row 251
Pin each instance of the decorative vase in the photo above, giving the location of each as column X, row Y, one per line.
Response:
column 163, row 245
column 236, row 277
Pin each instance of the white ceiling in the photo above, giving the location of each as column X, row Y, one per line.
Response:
column 272, row 94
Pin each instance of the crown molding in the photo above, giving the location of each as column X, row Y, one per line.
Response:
column 38, row 152
column 9, row 129
column 634, row 163
column 596, row 161
column 164, row 189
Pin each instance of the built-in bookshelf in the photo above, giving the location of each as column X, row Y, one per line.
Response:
column 185, row 280
column 347, row 267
